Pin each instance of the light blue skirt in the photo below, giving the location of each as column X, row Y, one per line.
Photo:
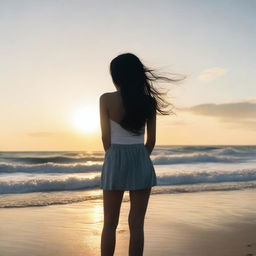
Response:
column 127, row 167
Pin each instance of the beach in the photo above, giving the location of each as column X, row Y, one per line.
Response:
column 210, row 223
column 125, row 95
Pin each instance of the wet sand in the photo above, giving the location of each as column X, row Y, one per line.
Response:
column 221, row 223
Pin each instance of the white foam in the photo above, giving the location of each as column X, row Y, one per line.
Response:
column 61, row 183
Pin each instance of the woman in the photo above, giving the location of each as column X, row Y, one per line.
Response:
column 127, row 164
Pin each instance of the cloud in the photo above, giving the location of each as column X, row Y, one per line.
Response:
column 40, row 134
column 225, row 110
column 212, row 73
column 242, row 113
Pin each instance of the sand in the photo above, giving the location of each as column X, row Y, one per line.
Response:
column 221, row 223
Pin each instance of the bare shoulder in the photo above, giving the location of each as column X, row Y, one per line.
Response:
column 104, row 98
column 108, row 96
column 104, row 95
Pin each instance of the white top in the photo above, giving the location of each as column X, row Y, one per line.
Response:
column 119, row 135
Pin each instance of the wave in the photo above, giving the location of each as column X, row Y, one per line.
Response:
column 96, row 167
column 203, row 149
column 181, row 178
column 242, row 152
column 52, row 159
column 41, row 199
column 49, row 168
column 160, row 155
column 47, row 184
column 196, row 148
column 44, row 184
column 195, row 158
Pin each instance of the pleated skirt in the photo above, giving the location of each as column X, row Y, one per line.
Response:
column 127, row 167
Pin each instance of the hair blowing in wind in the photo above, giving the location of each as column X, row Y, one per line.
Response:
column 140, row 97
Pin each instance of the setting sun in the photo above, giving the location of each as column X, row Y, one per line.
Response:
column 85, row 119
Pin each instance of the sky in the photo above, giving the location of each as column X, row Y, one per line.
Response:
column 55, row 58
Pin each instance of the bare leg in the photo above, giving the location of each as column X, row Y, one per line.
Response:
column 112, row 202
column 139, row 202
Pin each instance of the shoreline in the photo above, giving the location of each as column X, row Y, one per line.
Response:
column 222, row 223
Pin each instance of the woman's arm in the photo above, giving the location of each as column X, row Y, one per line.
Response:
column 104, row 122
column 151, row 133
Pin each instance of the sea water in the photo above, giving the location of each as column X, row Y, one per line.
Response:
column 45, row 178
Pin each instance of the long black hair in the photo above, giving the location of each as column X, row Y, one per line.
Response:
column 140, row 98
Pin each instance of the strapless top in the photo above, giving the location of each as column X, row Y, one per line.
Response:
column 119, row 135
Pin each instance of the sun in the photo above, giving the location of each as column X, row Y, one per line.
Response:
column 85, row 119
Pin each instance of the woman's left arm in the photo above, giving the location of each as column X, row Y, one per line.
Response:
column 104, row 122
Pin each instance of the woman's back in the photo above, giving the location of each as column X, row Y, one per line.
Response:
column 118, row 134
column 115, row 106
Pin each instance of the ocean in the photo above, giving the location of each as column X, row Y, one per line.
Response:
column 59, row 177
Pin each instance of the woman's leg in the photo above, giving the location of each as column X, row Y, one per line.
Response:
column 139, row 202
column 111, row 202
